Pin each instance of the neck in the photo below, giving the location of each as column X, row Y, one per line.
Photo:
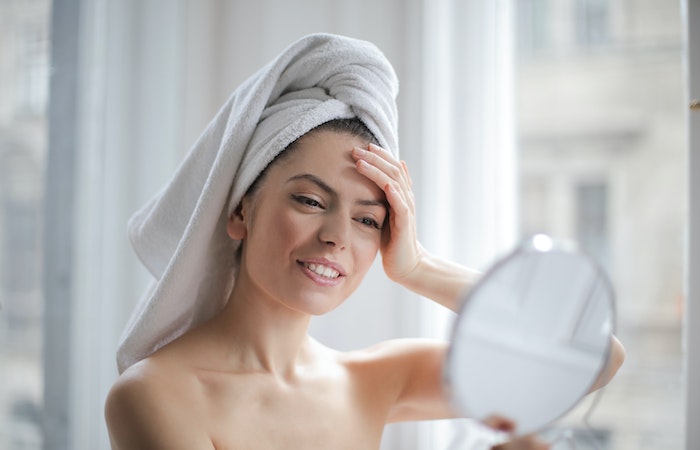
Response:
column 260, row 334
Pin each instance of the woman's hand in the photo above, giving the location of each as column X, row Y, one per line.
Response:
column 401, row 252
column 404, row 259
column 529, row 442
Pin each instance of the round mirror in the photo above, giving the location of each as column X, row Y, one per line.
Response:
column 532, row 336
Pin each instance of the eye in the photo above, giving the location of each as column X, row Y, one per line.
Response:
column 368, row 221
column 307, row 201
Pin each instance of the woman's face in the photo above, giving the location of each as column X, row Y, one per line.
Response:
column 313, row 228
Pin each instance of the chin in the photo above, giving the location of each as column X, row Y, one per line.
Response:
column 318, row 306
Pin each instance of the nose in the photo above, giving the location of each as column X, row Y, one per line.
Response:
column 335, row 231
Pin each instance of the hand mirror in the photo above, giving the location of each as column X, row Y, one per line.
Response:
column 532, row 336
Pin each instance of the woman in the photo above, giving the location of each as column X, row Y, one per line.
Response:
column 304, row 234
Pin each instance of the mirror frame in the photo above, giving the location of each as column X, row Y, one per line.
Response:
column 540, row 243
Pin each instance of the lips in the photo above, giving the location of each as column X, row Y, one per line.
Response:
column 323, row 268
column 324, row 271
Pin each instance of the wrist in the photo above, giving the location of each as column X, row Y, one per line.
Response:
column 411, row 278
column 441, row 280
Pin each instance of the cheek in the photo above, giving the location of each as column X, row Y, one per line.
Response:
column 283, row 230
column 366, row 250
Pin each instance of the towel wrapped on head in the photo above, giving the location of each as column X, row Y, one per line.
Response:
column 180, row 235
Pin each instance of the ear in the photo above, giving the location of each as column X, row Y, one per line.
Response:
column 237, row 224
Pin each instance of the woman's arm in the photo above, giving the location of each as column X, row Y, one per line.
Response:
column 615, row 359
column 440, row 280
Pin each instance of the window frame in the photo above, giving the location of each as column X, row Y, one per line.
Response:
column 691, row 15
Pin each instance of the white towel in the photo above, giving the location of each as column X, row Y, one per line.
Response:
column 180, row 235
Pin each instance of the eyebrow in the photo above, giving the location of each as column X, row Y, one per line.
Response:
column 323, row 185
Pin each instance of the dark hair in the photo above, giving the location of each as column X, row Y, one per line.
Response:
column 353, row 127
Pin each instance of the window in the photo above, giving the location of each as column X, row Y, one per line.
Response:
column 591, row 221
column 32, row 55
column 553, row 26
column 533, row 26
column 606, row 166
column 591, row 22
column 23, row 84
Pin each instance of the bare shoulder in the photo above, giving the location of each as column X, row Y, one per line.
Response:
column 150, row 407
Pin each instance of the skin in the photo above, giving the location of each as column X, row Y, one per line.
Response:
column 252, row 377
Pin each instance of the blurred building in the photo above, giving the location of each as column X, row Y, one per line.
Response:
column 24, row 69
column 602, row 139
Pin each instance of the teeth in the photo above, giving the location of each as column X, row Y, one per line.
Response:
column 322, row 270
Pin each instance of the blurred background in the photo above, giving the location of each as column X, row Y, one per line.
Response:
column 516, row 117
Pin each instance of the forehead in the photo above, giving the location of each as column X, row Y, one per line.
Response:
column 326, row 154
column 320, row 150
column 325, row 145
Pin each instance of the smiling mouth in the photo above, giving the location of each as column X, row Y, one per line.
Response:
column 323, row 271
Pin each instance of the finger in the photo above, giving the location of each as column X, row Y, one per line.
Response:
column 391, row 167
column 389, row 157
column 394, row 171
column 384, row 160
column 383, row 153
column 500, row 423
column 524, row 443
column 384, row 181
column 398, row 201
column 408, row 174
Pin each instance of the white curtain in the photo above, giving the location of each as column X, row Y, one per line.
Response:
column 467, row 200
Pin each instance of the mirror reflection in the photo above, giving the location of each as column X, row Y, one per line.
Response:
column 532, row 336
